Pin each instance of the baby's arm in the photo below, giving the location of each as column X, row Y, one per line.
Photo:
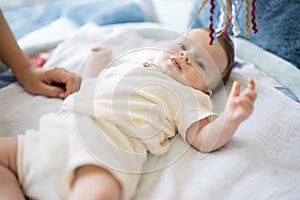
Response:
column 207, row 137
column 96, row 62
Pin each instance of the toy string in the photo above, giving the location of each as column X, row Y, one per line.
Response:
column 232, row 9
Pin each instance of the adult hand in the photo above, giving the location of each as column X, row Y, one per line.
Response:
column 54, row 82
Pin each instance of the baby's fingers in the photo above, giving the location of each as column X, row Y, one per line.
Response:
column 251, row 84
column 251, row 94
column 250, row 90
column 235, row 90
column 246, row 103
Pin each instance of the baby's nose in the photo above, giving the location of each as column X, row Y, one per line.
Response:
column 186, row 56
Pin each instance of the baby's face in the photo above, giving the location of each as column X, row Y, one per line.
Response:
column 193, row 62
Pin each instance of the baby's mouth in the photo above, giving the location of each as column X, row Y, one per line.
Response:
column 176, row 63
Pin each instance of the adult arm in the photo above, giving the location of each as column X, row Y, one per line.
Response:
column 35, row 80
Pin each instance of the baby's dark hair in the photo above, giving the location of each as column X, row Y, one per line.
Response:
column 228, row 46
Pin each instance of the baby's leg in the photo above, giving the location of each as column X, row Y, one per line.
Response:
column 9, row 185
column 92, row 182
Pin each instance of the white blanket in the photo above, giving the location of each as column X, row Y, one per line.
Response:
column 262, row 161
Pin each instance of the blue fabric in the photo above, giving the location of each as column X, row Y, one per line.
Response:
column 26, row 18
column 277, row 23
column 102, row 13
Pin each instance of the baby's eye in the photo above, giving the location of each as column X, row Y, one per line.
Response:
column 199, row 63
column 181, row 46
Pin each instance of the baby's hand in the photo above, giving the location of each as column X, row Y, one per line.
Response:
column 240, row 105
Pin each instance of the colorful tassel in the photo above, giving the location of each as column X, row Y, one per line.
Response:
column 222, row 15
column 236, row 27
column 228, row 15
column 211, row 27
column 247, row 28
column 254, row 27
column 228, row 20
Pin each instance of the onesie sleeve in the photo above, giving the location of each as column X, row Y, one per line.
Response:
column 193, row 107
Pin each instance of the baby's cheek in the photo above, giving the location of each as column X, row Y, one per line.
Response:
column 197, row 82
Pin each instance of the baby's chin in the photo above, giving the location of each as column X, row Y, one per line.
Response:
column 165, row 69
column 174, row 75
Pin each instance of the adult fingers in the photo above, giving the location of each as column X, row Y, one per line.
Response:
column 72, row 85
column 67, row 80
column 49, row 90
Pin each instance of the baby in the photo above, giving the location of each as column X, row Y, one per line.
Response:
column 96, row 145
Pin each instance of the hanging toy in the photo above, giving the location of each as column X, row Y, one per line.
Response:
column 254, row 27
column 211, row 27
column 228, row 15
column 236, row 27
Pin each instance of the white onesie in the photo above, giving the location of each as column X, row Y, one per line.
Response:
column 113, row 122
